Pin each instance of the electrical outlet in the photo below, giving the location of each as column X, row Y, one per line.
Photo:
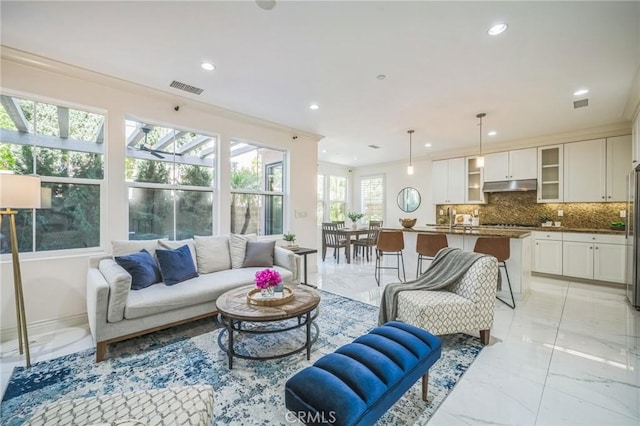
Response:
column 560, row 213
column 300, row 214
column 441, row 212
column 623, row 213
column 475, row 212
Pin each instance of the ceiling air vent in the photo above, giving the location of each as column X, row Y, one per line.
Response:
column 373, row 146
column 186, row 87
column 581, row 103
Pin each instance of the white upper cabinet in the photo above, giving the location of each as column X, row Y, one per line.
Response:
column 618, row 154
column 596, row 170
column 496, row 166
column 523, row 164
column 585, row 170
column 449, row 181
column 511, row 165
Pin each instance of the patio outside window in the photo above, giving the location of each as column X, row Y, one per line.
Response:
column 170, row 174
column 257, row 189
column 65, row 147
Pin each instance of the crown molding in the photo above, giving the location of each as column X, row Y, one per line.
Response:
column 20, row 57
column 606, row 131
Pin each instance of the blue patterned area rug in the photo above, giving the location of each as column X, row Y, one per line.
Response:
column 250, row 394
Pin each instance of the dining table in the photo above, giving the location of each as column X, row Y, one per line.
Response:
column 348, row 233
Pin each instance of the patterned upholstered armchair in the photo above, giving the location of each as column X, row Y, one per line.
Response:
column 465, row 305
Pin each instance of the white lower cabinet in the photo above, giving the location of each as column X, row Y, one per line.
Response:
column 547, row 252
column 609, row 262
column 577, row 259
column 594, row 256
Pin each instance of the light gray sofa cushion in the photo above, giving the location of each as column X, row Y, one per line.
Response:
column 238, row 247
column 259, row 253
column 161, row 298
column 122, row 247
column 172, row 245
column 212, row 253
column 119, row 282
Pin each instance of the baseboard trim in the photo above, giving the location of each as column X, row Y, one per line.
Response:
column 45, row 326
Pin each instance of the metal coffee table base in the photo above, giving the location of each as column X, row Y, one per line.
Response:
column 231, row 326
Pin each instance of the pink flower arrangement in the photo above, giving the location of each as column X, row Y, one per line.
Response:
column 267, row 278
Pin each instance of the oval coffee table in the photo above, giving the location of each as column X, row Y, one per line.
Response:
column 234, row 310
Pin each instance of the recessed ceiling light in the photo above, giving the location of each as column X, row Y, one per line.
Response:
column 497, row 29
column 580, row 92
column 314, row 106
column 208, row 66
column 492, row 133
column 324, row 151
column 381, row 77
column 428, row 145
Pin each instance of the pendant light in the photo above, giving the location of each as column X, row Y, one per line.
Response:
column 480, row 159
column 410, row 166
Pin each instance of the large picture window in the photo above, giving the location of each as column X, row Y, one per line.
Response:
column 170, row 174
column 65, row 147
column 372, row 197
column 257, row 189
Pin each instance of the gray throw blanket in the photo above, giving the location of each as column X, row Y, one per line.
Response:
column 448, row 266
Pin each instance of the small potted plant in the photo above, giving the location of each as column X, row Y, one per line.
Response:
column 545, row 219
column 355, row 217
column 617, row 225
column 290, row 238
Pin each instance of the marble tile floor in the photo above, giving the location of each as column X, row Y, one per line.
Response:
column 567, row 355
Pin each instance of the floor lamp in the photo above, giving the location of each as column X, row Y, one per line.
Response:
column 18, row 192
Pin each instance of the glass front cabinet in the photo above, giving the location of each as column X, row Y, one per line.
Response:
column 474, row 181
column 550, row 174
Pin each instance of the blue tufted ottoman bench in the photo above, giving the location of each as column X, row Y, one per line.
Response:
column 360, row 381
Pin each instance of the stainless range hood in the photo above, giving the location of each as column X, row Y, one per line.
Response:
column 511, row 186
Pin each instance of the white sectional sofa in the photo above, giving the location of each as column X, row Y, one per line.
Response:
column 116, row 312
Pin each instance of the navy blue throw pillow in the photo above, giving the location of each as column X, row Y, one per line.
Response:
column 176, row 265
column 141, row 267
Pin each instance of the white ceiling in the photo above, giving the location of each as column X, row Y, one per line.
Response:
column 441, row 67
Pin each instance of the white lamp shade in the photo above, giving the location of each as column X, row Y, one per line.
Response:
column 20, row 191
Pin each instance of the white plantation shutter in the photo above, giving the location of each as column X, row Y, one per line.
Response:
column 372, row 197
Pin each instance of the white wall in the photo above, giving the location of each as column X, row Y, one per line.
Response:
column 396, row 178
column 54, row 287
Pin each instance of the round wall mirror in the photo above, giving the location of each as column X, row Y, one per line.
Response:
column 408, row 199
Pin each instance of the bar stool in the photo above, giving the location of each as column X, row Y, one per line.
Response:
column 390, row 243
column 498, row 248
column 427, row 245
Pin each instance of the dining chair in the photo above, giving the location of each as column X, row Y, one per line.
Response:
column 340, row 223
column 332, row 239
column 500, row 249
column 370, row 240
column 390, row 243
column 427, row 245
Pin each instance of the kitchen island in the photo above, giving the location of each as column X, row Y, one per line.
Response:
column 519, row 263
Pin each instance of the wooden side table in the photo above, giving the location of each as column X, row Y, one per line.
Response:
column 303, row 251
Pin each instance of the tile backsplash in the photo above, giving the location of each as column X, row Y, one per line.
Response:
column 523, row 208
